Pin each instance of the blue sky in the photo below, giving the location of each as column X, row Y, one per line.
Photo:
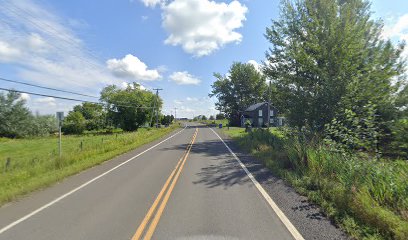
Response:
column 176, row 45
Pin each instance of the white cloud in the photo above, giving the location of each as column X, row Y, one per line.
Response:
column 131, row 67
column 8, row 53
column 397, row 29
column 124, row 85
column 25, row 97
column 184, row 78
column 202, row 26
column 153, row 3
column 192, row 99
column 46, row 101
column 43, row 49
column 255, row 64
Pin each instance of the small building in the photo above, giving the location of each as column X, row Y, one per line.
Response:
column 257, row 114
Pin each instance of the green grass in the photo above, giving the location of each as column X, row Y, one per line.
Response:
column 368, row 198
column 34, row 163
column 224, row 122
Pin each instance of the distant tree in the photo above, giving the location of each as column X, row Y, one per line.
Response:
column 241, row 87
column 94, row 114
column 220, row 116
column 74, row 123
column 203, row 117
column 166, row 119
column 15, row 118
column 126, row 107
column 212, row 117
column 328, row 56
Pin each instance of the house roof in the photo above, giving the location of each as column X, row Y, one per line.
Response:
column 254, row 107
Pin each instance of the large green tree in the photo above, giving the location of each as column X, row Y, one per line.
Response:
column 327, row 56
column 243, row 86
column 94, row 114
column 14, row 116
column 127, row 107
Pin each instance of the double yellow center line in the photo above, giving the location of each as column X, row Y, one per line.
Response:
column 169, row 186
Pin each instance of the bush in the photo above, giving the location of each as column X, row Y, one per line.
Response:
column 74, row 123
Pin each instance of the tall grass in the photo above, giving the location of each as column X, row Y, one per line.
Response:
column 35, row 163
column 368, row 197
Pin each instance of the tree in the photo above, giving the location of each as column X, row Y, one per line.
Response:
column 167, row 119
column 220, row 116
column 94, row 115
column 74, row 123
column 14, row 116
column 211, row 117
column 328, row 56
column 242, row 87
column 203, row 117
column 127, row 107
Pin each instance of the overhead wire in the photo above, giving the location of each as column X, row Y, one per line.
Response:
column 71, row 99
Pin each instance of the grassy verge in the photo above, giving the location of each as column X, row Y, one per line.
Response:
column 34, row 163
column 368, row 198
column 224, row 122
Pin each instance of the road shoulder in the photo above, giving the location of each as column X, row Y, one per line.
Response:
column 307, row 217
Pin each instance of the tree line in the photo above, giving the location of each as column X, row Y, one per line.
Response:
column 127, row 109
column 328, row 70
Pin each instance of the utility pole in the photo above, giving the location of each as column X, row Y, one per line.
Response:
column 175, row 114
column 155, row 103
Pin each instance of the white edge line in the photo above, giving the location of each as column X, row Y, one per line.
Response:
column 82, row 186
column 268, row 199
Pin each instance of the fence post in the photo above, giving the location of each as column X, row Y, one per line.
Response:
column 8, row 162
column 81, row 145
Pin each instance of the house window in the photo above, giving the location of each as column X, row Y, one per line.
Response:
column 260, row 113
column 271, row 120
column 271, row 113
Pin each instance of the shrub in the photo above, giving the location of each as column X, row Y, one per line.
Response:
column 74, row 123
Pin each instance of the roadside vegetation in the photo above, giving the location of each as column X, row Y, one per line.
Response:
column 342, row 89
column 35, row 163
column 366, row 196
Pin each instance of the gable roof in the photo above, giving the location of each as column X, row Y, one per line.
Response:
column 254, row 107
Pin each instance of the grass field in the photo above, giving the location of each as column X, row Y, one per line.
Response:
column 35, row 163
column 367, row 197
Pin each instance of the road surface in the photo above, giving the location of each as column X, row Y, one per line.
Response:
column 189, row 186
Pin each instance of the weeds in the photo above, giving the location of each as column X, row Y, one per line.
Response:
column 368, row 197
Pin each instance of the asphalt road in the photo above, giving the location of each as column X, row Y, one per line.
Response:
column 187, row 187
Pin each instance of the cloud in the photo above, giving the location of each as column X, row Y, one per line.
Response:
column 202, row 26
column 8, row 53
column 152, row 3
column 255, row 64
column 131, row 67
column 25, row 97
column 397, row 29
column 184, row 78
column 192, row 99
column 46, row 101
column 42, row 48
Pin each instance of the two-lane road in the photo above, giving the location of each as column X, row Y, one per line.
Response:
column 189, row 186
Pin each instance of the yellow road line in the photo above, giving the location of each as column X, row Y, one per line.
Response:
column 149, row 214
column 156, row 218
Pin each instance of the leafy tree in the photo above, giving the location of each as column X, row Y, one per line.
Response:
column 167, row 119
column 220, row 116
column 74, row 123
column 126, row 107
column 240, row 88
column 212, row 117
column 328, row 56
column 42, row 125
column 94, row 114
column 14, row 116
column 203, row 117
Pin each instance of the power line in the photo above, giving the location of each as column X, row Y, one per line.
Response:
column 69, row 99
column 48, row 88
